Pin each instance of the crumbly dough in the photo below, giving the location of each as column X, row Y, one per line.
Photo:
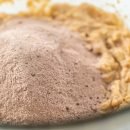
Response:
column 105, row 35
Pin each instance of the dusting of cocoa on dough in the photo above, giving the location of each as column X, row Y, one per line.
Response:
column 106, row 36
column 46, row 75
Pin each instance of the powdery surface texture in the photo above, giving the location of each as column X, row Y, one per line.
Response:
column 46, row 75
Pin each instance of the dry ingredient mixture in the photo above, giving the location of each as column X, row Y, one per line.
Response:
column 105, row 35
column 46, row 75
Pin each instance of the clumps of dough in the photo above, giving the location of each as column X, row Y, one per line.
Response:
column 108, row 38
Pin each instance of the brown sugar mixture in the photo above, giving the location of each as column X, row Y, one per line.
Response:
column 56, row 76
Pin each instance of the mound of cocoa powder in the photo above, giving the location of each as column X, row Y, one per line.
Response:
column 46, row 75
